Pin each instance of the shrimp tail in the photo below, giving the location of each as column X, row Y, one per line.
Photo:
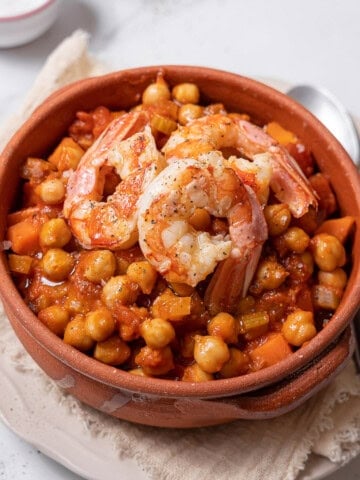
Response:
column 233, row 275
column 289, row 183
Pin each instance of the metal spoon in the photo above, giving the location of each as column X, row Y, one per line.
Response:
column 330, row 111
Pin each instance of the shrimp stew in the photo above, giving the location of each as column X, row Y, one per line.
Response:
column 179, row 240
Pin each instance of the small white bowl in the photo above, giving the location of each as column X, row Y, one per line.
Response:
column 22, row 22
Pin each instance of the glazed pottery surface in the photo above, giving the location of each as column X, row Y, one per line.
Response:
column 263, row 394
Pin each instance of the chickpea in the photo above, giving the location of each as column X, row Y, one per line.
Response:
column 200, row 219
column 99, row 324
column 278, row 217
column 156, row 92
column 57, row 264
column 328, row 252
column 52, row 191
column 55, row 318
column 99, row 265
column 238, row 364
column 336, row 279
column 189, row 112
column 193, row 373
column 119, row 290
column 210, row 352
column 155, row 361
column 144, row 274
column 75, row 334
column 270, row 274
column 299, row 327
column 157, row 332
column 112, row 351
column 224, row 325
column 186, row 93
column 55, row 233
column 296, row 239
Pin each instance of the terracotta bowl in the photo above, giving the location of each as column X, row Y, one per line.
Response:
column 266, row 393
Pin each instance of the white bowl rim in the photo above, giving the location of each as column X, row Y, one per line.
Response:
column 27, row 13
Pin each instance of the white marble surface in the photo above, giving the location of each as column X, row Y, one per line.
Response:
column 302, row 42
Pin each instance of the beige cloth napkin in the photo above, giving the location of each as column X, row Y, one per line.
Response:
column 328, row 424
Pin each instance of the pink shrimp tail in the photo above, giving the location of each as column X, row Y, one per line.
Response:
column 233, row 276
column 288, row 182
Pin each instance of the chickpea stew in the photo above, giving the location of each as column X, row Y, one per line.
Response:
column 179, row 240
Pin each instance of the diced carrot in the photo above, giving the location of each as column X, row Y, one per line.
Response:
column 66, row 155
column 338, row 227
column 171, row 307
column 280, row 134
column 321, row 185
column 24, row 237
column 38, row 213
column 275, row 348
column 20, row 215
column 20, row 263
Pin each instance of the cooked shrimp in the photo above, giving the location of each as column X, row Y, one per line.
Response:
column 127, row 148
column 255, row 174
column 217, row 132
column 178, row 251
column 232, row 277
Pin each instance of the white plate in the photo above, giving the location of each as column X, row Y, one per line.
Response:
column 33, row 408
column 59, row 430
column 55, row 427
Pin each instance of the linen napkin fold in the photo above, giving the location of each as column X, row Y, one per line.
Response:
column 69, row 62
column 328, row 424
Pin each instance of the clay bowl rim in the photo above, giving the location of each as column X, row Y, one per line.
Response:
column 120, row 379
